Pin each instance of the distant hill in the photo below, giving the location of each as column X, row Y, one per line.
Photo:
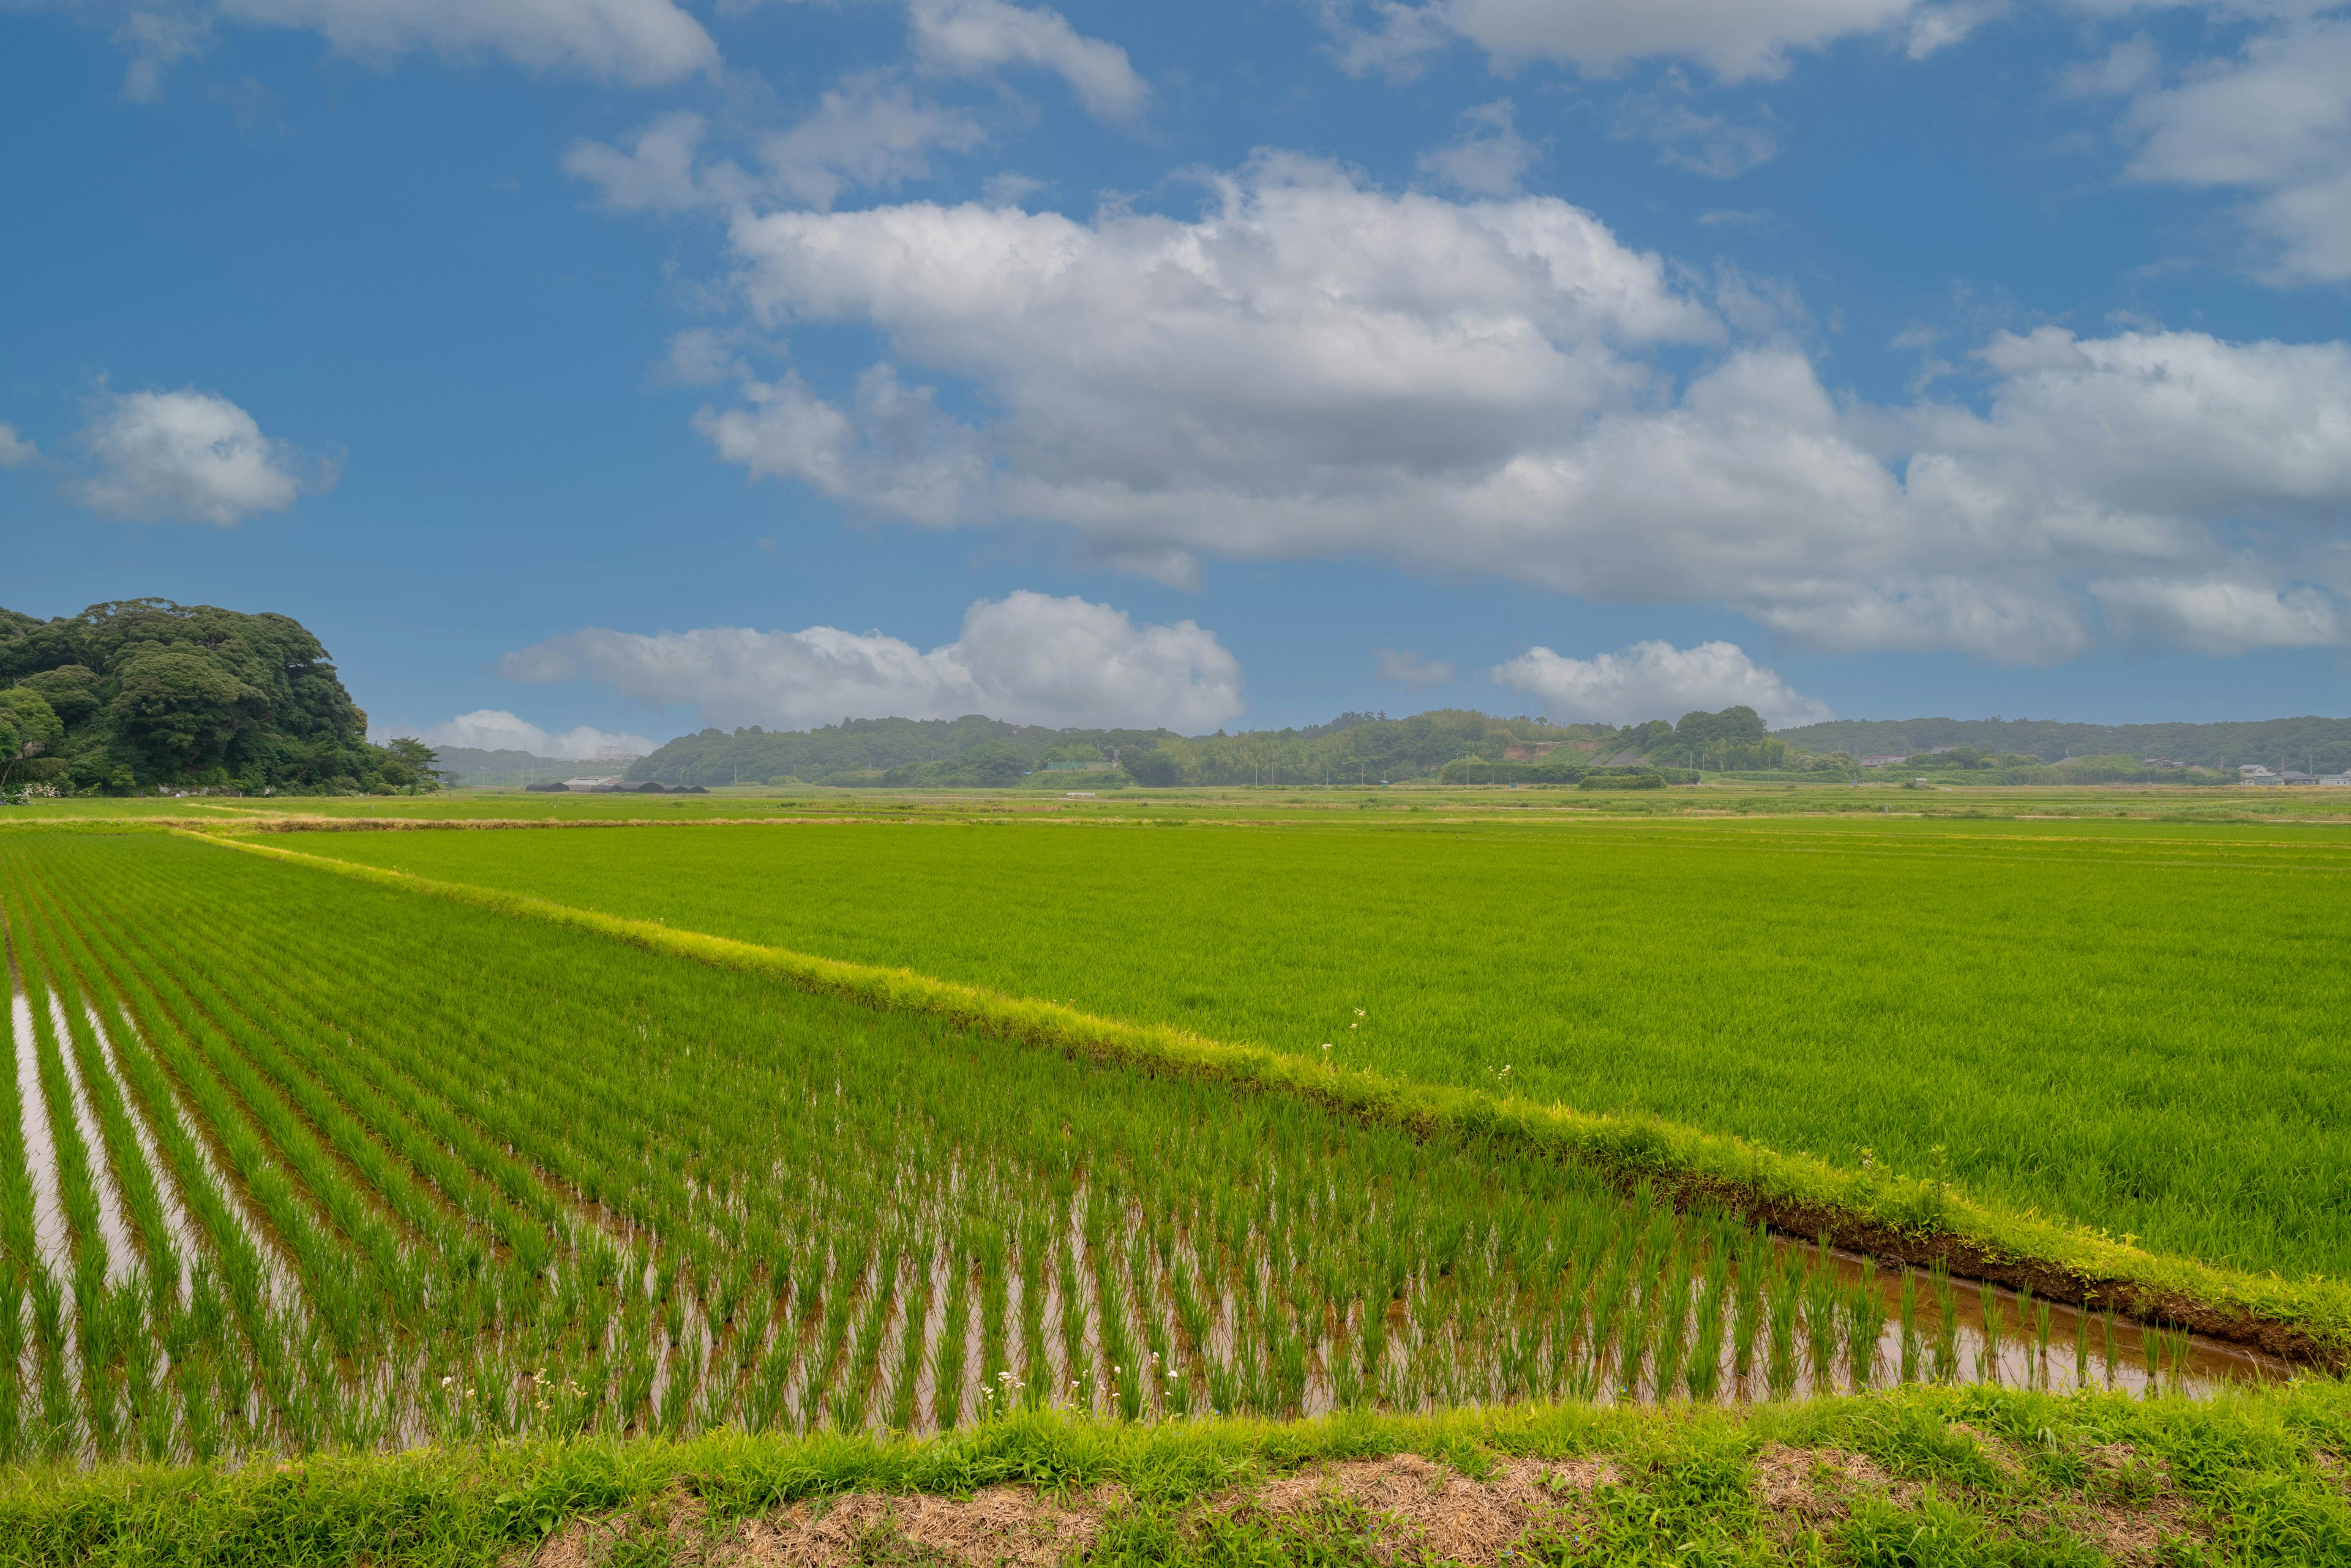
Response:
column 2320, row 744
column 1355, row 747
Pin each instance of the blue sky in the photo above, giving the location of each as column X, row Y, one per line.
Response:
column 624, row 365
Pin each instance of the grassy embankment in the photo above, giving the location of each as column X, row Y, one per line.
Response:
column 1949, row 1478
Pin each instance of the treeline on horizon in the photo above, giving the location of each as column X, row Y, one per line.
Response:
column 138, row 694
column 2312, row 744
column 1353, row 748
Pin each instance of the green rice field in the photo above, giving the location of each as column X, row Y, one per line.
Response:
column 2136, row 1025
column 292, row 1162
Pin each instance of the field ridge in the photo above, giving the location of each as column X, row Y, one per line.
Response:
column 1918, row 1219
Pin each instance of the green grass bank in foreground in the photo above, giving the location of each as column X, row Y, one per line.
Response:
column 2129, row 1026
column 1917, row 1477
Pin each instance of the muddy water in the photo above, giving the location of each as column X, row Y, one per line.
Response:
column 184, row 1237
column 49, row 1232
column 2200, row 1366
column 284, row 1294
column 113, row 1225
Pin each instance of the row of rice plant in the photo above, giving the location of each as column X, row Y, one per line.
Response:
column 332, row 1166
column 2103, row 1023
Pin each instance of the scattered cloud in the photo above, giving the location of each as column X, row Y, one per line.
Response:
column 188, row 456
column 1655, row 680
column 158, row 37
column 1734, row 39
column 1706, row 144
column 2275, row 121
column 976, row 37
column 1027, row 658
column 495, row 729
column 654, row 174
column 870, row 130
column 641, row 43
column 2218, row 615
column 1313, row 368
column 1488, row 158
column 15, row 451
column 1406, row 668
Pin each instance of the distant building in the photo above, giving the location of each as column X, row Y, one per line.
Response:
column 2254, row 773
column 2296, row 775
column 1884, row 761
column 2160, row 762
column 584, row 784
column 2335, row 780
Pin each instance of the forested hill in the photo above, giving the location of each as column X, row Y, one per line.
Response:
column 144, row 692
column 967, row 750
column 1353, row 748
column 2319, row 745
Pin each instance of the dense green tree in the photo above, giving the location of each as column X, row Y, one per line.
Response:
column 152, row 692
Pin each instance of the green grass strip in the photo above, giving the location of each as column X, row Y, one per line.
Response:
column 1919, row 1219
column 1991, row 1476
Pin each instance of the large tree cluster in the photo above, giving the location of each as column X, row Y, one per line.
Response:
column 137, row 693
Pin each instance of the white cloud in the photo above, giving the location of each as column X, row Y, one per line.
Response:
column 2275, row 121
column 15, row 451
column 1655, row 680
column 2215, row 615
column 1705, row 144
column 495, row 729
column 157, row 39
column 1735, row 39
column 973, row 37
column 1488, row 158
column 655, row 174
column 643, row 43
column 1315, row 368
column 869, row 131
column 1406, row 668
column 187, row 456
column 1025, row 658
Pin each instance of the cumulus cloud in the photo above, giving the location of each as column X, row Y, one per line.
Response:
column 14, row 450
column 1735, row 39
column 2275, row 121
column 1655, row 680
column 1312, row 367
column 495, row 729
column 1406, row 668
column 973, row 37
column 1489, row 156
column 1027, row 658
column 643, row 43
column 188, row 456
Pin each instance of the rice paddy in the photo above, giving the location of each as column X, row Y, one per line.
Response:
column 2136, row 1027
column 290, row 1163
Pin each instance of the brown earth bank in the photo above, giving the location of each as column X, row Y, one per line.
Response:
column 1796, row 1504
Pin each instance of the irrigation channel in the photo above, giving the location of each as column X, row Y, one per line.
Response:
column 339, row 1170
